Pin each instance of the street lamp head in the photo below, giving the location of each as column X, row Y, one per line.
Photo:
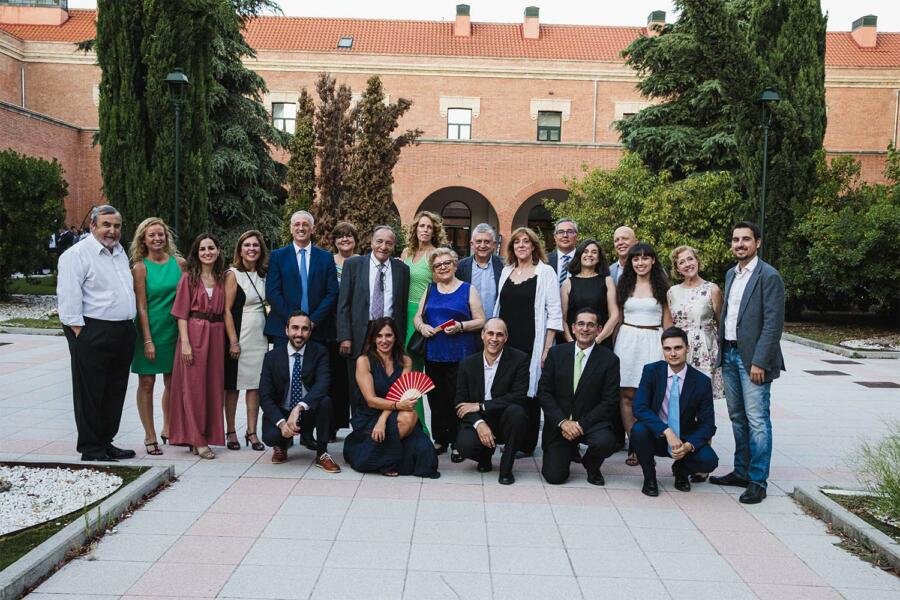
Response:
column 178, row 83
column 769, row 96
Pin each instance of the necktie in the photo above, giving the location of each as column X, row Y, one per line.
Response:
column 675, row 408
column 377, row 310
column 563, row 266
column 296, row 382
column 579, row 365
column 304, row 278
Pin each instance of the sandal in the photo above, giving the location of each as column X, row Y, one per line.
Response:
column 391, row 474
column 206, row 453
column 152, row 449
column 257, row 445
column 632, row 460
column 232, row 445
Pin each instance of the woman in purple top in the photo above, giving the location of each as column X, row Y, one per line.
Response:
column 447, row 299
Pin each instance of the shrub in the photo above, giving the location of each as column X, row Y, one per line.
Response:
column 880, row 469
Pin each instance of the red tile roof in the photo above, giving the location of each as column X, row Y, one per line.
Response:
column 435, row 38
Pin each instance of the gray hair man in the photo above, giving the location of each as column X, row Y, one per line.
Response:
column 482, row 269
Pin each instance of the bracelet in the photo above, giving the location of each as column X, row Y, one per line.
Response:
column 148, row 342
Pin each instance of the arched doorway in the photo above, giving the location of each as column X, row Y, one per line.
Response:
column 461, row 209
column 535, row 215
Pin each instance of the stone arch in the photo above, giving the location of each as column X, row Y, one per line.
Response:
column 462, row 208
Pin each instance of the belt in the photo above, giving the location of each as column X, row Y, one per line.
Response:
column 653, row 327
column 206, row 316
column 731, row 344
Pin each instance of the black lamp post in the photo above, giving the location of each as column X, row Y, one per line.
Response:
column 766, row 98
column 178, row 83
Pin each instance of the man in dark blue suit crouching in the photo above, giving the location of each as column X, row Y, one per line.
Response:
column 673, row 406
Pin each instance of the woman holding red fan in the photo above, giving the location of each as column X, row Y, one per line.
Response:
column 387, row 437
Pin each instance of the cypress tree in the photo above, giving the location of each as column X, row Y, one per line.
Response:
column 334, row 138
column 301, row 169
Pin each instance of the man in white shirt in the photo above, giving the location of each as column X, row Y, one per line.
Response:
column 490, row 401
column 96, row 299
column 623, row 239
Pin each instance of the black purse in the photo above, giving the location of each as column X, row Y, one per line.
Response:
column 417, row 341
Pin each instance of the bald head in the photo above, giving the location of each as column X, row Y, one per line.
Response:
column 623, row 239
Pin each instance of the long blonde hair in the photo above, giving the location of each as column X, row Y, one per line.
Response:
column 438, row 236
column 139, row 248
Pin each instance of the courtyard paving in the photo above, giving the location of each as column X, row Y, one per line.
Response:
column 240, row 527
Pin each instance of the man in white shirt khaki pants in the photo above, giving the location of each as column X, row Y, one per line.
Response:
column 97, row 309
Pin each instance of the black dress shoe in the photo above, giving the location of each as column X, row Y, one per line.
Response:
column 97, row 456
column 522, row 454
column 650, row 488
column 754, row 495
column 114, row 452
column 308, row 442
column 484, row 467
column 596, row 478
column 506, row 479
column 682, row 483
column 729, row 479
column 455, row 456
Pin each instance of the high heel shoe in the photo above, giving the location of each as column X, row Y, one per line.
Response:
column 257, row 445
column 165, row 439
column 232, row 445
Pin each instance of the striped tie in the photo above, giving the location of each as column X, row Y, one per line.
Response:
column 563, row 268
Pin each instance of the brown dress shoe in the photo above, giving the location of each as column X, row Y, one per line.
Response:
column 327, row 464
column 279, row 455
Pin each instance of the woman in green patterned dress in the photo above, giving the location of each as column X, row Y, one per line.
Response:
column 423, row 235
column 156, row 271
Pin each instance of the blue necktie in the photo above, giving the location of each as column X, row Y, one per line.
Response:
column 675, row 408
column 304, row 278
column 296, row 383
column 563, row 266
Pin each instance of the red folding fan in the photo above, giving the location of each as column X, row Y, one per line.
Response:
column 410, row 386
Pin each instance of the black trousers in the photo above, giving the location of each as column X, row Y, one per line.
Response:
column 509, row 428
column 318, row 418
column 533, row 412
column 558, row 451
column 646, row 446
column 339, row 391
column 444, row 423
column 101, row 356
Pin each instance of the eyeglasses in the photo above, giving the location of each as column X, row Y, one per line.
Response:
column 585, row 325
column 566, row 232
column 442, row 265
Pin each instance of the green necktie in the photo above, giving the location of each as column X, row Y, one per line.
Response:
column 579, row 364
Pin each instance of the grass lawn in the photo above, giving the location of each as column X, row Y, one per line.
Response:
column 15, row 545
column 47, row 323
column 45, row 285
column 834, row 328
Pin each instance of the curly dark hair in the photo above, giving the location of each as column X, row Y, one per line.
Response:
column 371, row 351
column 575, row 264
column 658, row 280
column 194, row 267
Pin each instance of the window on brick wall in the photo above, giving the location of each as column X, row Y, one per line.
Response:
column 549, row 126
column 459, row 124
column 284, row 116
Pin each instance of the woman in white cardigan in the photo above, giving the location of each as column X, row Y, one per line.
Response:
column 528, row 300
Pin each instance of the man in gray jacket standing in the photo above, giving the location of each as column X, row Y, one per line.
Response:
column 750, row 357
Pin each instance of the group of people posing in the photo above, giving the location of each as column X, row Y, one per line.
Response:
column 599, row 353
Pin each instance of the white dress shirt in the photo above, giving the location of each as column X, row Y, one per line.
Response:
column 94, row 283
column 490, row 371
column 297, row 250
column 287, row 399
column 738, row 284
column 664, row 409
column 388, row 284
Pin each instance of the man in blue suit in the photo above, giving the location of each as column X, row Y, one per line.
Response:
column 301, row 277
column 675, row 416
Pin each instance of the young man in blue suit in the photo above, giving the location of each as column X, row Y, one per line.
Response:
column 673, row 406
column 301, row 277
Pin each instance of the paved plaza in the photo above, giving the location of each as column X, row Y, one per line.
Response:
column 240, row 527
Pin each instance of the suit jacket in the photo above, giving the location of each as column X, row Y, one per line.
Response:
column 283, row 290
column 510, row 383
column 464, row 270
column 275, row 379
column 353, row 299
column 595, row 402
column 760, row 320
column 698, row 417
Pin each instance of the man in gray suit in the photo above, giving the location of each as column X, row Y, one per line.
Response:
column 373, row 285
column 750, row 358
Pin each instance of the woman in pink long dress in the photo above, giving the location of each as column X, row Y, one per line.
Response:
column 198, row 377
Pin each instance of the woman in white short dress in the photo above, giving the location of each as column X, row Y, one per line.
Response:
column 641, row 294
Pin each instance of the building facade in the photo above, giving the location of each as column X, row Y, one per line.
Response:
column 509, row 111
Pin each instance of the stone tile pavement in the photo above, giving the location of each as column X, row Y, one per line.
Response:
column 239, row 527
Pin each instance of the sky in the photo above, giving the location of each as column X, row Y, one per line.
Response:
column 842, row 13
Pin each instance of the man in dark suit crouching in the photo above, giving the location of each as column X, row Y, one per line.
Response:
column 579, row 392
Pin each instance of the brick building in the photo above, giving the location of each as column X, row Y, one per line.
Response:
column 508, row 110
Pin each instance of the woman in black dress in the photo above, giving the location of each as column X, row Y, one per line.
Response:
column 387, row 437
column 590, row 286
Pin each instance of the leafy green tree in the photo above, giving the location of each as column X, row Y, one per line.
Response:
column 301, row 169
column 32, row 191
column 334, row 132
column 370, row 200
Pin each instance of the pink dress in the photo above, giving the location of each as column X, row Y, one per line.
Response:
column 198, row 391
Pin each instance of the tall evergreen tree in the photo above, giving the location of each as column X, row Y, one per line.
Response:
column 370, row 174
column 301, row 169
column 334, row 137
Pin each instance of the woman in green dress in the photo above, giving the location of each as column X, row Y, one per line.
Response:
column 423, row 235
column 156, row 271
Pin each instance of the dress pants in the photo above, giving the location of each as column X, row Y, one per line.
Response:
column 444, row 422
column 533, row 412
column 339, row 391
column 558, row 451
column 101, row 356
column 508, row 428
column 646, row 446
column 318, row 418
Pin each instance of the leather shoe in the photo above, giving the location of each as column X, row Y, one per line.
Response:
column 596, row 478
column 279, row 455
column 523, row 454
column 99, row 456
column 650, row 488
column 327, row 464
column 682, row 483
column 308, row 442
column 455, row 456
column 117, row 453
column 754, row 495
column 506, row 479
column 485, row 467
column 729, row 479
